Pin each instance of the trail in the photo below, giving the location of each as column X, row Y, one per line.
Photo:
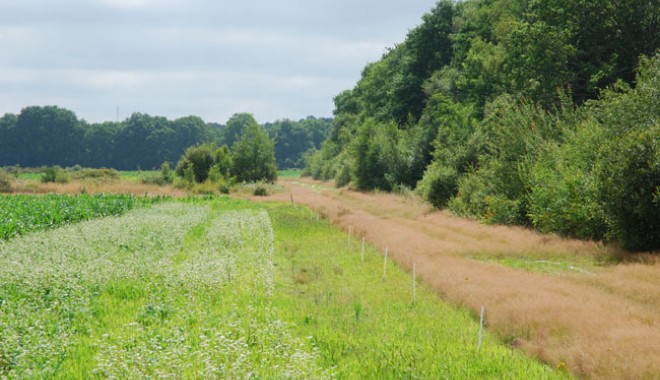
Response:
column 603, row 322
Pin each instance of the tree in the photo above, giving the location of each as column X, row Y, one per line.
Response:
column 254, row 156
column 629, row 188
column 291, row 141
column 48, row 135
column 235, row 128
column 200, row 158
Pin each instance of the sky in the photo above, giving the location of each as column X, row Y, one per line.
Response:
column 209, row 58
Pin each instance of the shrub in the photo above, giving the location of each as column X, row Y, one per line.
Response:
column 189, row 176
column 260, row 190
column 105, row 174
column 5, row 182
column 207, row 187
column 562, row 197
column 470, row 199
column 55, row 174
column 502, row 210
column 199, row 159
column 166, row 172
column 628, row 186
column 343, row 176
column 439, row 184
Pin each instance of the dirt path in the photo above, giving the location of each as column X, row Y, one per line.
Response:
column 603, row 322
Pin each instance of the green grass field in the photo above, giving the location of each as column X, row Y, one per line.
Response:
column 290, row 173
column 134, row 176
column 222, row 288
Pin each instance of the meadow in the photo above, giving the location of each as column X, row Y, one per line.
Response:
column 225, row 288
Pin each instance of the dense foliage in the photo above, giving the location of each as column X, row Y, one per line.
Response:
column 533, row 112
column 49, row 136
column 251, row 159
column 295, row 138
column 254, row 156
column 20, row 214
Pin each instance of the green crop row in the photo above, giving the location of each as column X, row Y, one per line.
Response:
column 20, row 214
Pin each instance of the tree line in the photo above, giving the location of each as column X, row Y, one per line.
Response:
column 542, row 113
column 50, row 135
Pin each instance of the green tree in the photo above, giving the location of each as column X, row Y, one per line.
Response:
column 629, row 188
column 199, row 159
column 254, row 156
column 236, row 126
column 48, row 135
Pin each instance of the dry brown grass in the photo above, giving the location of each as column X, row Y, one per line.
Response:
column 602, row 324
column 95, row 187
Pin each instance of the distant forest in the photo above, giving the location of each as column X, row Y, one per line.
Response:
column 544, row 113
column 50, row 135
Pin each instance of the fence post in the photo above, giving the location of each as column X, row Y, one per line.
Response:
column 414, row 284
column 362, row 249
column 481, row 328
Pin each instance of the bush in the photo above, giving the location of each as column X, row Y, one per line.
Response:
column 562, row 197
column 199, row 159
column 206, row 188
column 5, row 182
column 628, row 186
column 502, row 210
column 55, row 174
column 97, row 174
column 439, row 184
column 470, row 199
column 260, row 191
column 166, row 172
column 343, row 176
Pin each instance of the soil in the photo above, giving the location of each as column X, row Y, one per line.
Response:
column 599, row 322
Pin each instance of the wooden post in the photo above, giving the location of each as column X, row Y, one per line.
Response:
column 481, row 328
column 362, row 249
column 414, row 284
column 385, row 263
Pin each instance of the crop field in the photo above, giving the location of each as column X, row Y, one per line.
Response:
column 222, row 288
column 20, row 214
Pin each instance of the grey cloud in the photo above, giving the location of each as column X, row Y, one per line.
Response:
column 177, row 57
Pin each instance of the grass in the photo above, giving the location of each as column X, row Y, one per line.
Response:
column 289, row 173
column 552, row 265
column 134, row 176
column 30, row 176
column 226, row 288
column 368, row 326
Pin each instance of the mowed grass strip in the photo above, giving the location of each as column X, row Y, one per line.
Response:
column 227, row 289
column 367, row 325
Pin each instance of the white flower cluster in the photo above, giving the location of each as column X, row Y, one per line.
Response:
column 206, row 311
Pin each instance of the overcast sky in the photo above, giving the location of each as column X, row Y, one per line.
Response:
column 211, row 58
